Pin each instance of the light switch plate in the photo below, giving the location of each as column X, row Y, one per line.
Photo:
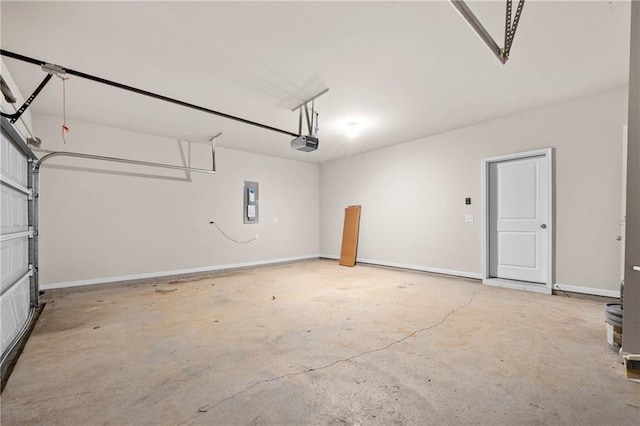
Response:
column 468, row 218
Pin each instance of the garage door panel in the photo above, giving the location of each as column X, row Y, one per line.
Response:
column 14, row 211
column 15, row 261
column 14, row 163
column 15, row 305
column 17, row 283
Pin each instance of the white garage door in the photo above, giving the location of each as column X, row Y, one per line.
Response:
column 18, row 294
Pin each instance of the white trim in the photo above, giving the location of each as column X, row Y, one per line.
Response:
column 548, row 154
column 517, row 155
column 623, row 198
column 517, row 285
column 120, row 278
column 587, row 290
column 412, row 267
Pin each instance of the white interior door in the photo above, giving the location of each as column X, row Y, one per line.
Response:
column 518, row 212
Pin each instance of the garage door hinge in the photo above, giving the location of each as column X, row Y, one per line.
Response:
column 30, row 196
column 31, row 233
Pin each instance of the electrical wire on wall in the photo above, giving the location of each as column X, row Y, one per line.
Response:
column 211, row 222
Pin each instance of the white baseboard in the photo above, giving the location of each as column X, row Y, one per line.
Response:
column 538, row 289
column 412, row 267
column 587, row 290
column 120, row 278
column 105, row 280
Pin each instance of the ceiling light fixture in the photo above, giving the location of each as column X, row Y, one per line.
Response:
column 353, row 129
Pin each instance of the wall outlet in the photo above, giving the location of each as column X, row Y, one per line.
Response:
column 468, row 218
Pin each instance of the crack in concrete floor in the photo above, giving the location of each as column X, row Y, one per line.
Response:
column 494, row 362
column 206, row 408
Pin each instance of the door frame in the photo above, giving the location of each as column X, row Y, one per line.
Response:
column 546, row 288
column 623, row 219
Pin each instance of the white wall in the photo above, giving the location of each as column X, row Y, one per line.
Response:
column 412, row 195
column 103, row 220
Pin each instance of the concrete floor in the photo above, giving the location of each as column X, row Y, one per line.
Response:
column 316, row 343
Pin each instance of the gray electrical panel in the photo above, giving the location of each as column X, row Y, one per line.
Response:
column 250, row 212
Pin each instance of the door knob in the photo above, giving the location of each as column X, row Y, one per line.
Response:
column 543, row 226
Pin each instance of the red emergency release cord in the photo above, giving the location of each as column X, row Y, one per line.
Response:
column 65, row 129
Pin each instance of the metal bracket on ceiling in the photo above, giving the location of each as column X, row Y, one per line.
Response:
column 53, row 69
column 311, row 118
column 212, row 141
column 510, row 27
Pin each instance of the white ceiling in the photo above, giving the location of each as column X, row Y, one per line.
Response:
column 402, row 70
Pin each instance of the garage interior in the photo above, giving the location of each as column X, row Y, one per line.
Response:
column 186, row 186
